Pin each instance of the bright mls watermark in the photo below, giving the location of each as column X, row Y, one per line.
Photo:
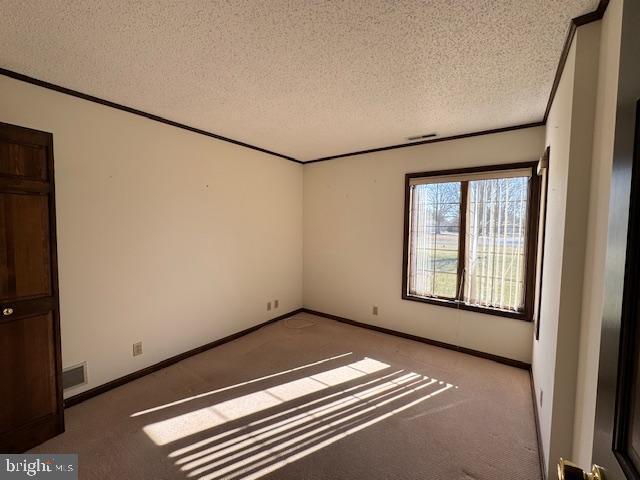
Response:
column 52, row 466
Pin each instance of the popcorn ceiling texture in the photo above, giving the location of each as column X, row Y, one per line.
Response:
column 304, row 78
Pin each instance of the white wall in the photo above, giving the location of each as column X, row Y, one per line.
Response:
column 579, row 133
column 164, row 236
column 353, row 234
column 592, row 300
column 544, row 350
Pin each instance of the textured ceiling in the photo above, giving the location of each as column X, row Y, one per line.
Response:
column 305, row 78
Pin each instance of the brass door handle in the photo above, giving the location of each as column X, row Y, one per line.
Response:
column 570, row 471
column 7, row 311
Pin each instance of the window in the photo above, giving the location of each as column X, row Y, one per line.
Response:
column 470, row 238
column 435, row 234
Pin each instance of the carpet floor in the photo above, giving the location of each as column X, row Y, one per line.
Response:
column 311, row 398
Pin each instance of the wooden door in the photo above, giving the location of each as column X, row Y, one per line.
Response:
column 617, row 424
column 31, row 408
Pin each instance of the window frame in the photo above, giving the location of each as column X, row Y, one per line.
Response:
column 542, row 232
column 533, row 214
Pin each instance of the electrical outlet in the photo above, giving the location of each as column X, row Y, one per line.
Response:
column 541, row 394
column 137, row 349
column 276, row 303
column 375, row 310
column 268, row 306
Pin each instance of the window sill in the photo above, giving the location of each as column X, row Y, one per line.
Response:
column 523, row 316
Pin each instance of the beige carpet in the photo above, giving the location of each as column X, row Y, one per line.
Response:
column 311, row 398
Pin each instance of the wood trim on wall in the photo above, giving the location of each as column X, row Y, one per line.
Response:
column 594, row 16
column 576, row 22
column 135, row 111
column 530, row 251
column 436, row 343
column 536, row 416
column 425, row 142
column 462, row 238
column 87, row 394
column 543, row 223
column 476, row 353
column 105, row 387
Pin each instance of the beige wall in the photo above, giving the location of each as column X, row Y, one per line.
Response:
column 579, row 133
column 164, row 236
column 592, row 300
column 353, row 231
column 544, row 350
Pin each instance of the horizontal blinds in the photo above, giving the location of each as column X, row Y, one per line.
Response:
column 465, row 177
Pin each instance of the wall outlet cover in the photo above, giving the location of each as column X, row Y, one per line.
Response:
column 137, row 349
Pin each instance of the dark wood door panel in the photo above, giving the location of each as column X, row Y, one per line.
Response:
column 23, row 161
column 25, row 136
column 27, row 379
column 31, row 434
column 31, row 408
column 19, row 185
column 25, row 259
column 26, row 308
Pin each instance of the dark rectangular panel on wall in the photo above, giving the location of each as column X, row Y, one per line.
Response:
column 31, row 409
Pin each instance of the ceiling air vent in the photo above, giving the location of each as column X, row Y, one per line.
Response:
column 422, row 137
column 74, row 376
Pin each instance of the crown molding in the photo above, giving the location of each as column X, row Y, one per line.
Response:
column 135, row 111
column 594, row 16
column 424, row 142
column 576, row 22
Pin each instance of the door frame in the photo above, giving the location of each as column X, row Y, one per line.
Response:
column 628, row 327
column 43, row 139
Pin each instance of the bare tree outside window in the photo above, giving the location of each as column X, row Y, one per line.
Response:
column 435, row 235
column 484, row 267
column 496, row 241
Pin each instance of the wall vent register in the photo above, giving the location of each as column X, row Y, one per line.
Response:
column 74, row 376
